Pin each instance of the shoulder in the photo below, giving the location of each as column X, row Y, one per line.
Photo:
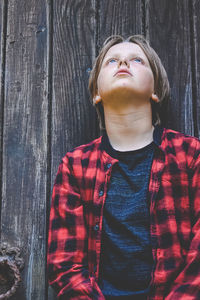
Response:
column 179, row 138
column 82, row 152
column 181, row 144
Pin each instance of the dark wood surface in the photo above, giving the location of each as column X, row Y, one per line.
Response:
column 73, row 116
column 196, row 64
column 123, row 17
column 23, row 211
column 1, row 89
column 45, row 108
column 168, row 29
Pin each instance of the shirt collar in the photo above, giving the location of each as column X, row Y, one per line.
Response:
column 157, row 138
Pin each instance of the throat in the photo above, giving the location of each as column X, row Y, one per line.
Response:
column 128, row 140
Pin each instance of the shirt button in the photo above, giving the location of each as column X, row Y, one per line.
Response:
column 108, row 166
column 96, row 227
column 101, row 193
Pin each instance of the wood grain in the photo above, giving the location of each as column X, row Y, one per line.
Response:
column 25, row 142
column 73, row 117
column 1, row 87
column 122, row 17
column 168, row 29
column 196, row 64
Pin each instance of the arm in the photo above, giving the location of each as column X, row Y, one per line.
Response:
column 187, row 285
column 67, row 241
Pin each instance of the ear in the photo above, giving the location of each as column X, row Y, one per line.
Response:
column 96, row 99
column 155, row 98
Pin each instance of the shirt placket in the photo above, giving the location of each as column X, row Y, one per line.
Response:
column 99, row 219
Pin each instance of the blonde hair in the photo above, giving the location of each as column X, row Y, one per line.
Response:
column 161, row 83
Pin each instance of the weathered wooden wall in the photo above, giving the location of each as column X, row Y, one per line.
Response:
column 46, row 53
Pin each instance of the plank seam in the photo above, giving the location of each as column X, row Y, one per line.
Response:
column 49, row 4
column 3, row 67
column 143, row 6
column 193, row 67
column 97, row 17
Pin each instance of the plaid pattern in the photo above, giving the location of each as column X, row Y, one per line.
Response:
column 79, row 192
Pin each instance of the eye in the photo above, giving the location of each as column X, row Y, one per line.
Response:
column 112, row 61
column 138, row 60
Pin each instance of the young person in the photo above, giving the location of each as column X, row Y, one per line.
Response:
column 125, row 214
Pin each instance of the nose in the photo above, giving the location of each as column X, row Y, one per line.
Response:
column 123, row 61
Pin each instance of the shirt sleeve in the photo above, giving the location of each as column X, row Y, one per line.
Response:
column 187, row 285
column 67, row 241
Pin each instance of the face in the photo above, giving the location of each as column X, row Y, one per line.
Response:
column 125, row 72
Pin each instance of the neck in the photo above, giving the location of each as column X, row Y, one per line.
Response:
column 129, row 129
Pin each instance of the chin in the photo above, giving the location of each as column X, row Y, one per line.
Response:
column 124, row 89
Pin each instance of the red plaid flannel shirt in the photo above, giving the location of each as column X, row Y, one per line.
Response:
column 76, row 214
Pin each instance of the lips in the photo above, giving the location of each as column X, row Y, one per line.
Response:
column 123, row 71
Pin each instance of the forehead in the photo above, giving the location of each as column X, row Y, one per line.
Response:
column 125, row 48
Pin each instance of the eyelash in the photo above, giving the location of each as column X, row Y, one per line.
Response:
column 112, row 59
column 133, row 59
column 138, row 58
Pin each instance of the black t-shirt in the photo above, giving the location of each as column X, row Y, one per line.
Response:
column 126, row 256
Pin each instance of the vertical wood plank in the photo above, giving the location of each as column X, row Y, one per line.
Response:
column 1, row 62
column 1, row 34
column 195, row 8
column 1, row 91
column 74, row 120
column 25, row 142
column 168, row 29
column 124, row 17
column 2, row 68
column 73, row 117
